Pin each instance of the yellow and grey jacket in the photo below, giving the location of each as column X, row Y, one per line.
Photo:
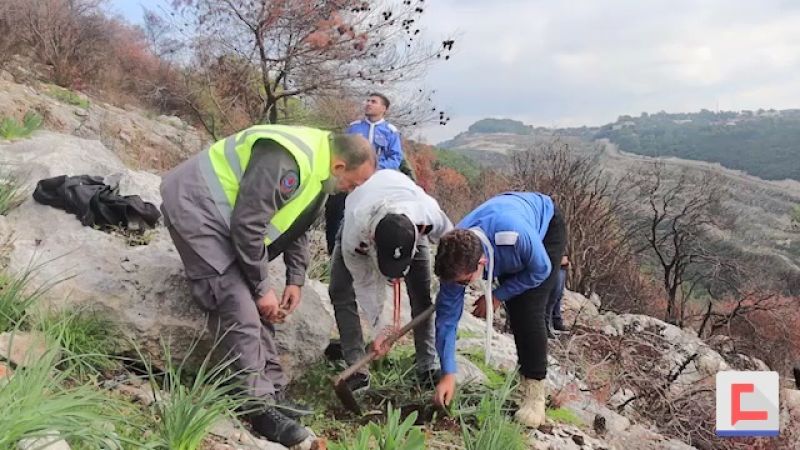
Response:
column 246, row 199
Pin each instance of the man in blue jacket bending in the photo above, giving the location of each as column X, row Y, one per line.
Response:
column 385, row 139
column 525, row 234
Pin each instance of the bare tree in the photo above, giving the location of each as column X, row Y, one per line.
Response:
column 649, row 380
column 159, row 34
column 597, row 244
column 9, row 39
column 259, row 54
column 68, row 35
column 672, row 221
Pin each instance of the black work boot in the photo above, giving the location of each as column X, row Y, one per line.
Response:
column 334, row 351
column 276, row 427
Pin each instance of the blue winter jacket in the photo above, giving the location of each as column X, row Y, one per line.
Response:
column 515, row 223
column 384, row 137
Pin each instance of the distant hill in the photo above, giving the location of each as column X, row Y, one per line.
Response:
column 500, row 126
column 762, row 143
column 492, row 148
column 763, row 207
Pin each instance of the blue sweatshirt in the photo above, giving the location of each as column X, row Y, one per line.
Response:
column 515, row 223
column 384, row 137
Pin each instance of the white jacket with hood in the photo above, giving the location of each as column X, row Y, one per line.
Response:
column 387, row 191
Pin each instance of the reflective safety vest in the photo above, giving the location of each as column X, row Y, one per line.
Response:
column 224, row 163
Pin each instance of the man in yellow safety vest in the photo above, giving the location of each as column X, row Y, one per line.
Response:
column 233, row 207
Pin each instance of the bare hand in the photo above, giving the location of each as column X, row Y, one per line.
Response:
column 445, row 390
column 268, row 307
column 380, row 346
column 291, row 298
column 479, row 310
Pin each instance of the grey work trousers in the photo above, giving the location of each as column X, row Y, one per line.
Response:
column 343, row 298
column 234, row 319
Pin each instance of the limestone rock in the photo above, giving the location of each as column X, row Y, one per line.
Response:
column 22, row 348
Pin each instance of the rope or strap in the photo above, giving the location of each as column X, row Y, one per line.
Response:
column 487, row 293
column 396, row 304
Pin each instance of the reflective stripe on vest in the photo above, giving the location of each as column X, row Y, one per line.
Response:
column 224, row 163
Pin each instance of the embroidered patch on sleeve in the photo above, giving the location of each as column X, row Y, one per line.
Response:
column 289, row 182
column 506, row 238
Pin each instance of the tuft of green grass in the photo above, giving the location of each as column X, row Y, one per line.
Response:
column 83, row 335
column 17, row 295
column 464, row 334
column 315, row 389
column 67, row 96
column 395, row 370
column 134, row 432
column 40, row 401
column 495, row 377
column 489, row 426
column 316, row 381
column 186, row 412
column 320, row 270
column 12, row 191
column 395, row 434
column 11, row 129
column 565, row 416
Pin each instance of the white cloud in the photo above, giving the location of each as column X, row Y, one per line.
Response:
column 556, row 62
column 550, row 62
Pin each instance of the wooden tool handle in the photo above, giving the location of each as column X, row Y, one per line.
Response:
column 366, row 359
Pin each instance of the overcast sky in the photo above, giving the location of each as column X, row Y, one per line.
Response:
column 585, row 62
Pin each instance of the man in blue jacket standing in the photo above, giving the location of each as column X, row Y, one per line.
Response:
column 525, row 235
column 385, row 139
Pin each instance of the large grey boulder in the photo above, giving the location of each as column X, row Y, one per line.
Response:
column 142, row 288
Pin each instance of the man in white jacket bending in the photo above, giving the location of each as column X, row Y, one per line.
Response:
column 388, row 222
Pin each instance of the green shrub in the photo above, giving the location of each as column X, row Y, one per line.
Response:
column 490, row 426
column 11, row 129
column 565, row 416
column 39, row 401
column 16, row 296
column 393, row 435
column 395, row 371
column 186, row 412
column 12, row 191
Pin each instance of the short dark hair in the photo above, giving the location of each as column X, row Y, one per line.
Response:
column 383, row 98
column 353, row 149
column 458, row 253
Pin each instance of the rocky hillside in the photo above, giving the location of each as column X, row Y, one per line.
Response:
column 762, row 208
column 616, row 381
column 761, row 143
column 140, row 139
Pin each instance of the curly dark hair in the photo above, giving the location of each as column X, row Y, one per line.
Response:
column 458, row 254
